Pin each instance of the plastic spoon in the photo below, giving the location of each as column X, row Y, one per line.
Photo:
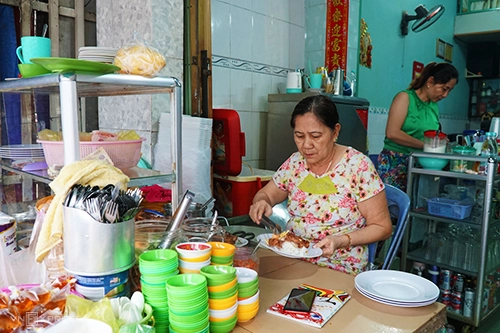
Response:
column 44, row 29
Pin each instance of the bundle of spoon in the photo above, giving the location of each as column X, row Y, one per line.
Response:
column 106, row 205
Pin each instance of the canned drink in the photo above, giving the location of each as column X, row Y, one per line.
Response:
column 444, row 279
column 433, row 274
column 484, row 301
column 458, row 283
column 456, row 302
column 469, row 302
column 446, row 297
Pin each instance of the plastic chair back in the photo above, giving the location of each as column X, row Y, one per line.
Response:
column 399, row 204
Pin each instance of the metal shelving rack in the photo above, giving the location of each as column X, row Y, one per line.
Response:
column 70, row 86
column 414, row 172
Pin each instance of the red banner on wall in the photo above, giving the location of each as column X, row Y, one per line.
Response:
column 337, row 20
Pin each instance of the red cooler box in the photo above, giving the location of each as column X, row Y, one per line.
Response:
column 233, row 194
column 228, row 142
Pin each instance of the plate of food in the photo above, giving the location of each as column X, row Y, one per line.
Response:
column 287, row 244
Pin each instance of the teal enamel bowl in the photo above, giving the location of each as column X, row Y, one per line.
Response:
column 433, row 163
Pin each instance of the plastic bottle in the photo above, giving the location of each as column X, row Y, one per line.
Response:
column 489, row 149
column 353, row 83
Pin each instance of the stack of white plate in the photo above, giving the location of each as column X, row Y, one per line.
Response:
column 97, row 53
column 396, row 288
column 33, row 152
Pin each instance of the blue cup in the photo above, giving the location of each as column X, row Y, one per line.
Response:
column 33, row 47
column 315, row 80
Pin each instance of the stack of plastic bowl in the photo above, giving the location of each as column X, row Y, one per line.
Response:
column 156, row 267
column 222, row 297
column 222, row 253
column 248, row 293
column 193, row 256
column 188, row 304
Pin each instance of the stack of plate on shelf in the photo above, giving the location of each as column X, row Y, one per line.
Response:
column 396, row 288
column 96, row 53
column 33, row 152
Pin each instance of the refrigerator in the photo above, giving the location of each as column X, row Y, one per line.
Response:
column 353, row 117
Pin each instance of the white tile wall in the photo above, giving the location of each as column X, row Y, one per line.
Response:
column 265, row 34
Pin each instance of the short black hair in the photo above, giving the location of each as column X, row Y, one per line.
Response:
column 321, row 106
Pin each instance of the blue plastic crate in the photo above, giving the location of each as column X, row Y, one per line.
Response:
column 449, row 208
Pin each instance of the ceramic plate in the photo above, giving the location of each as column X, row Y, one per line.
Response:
column 398, row 304
column 311, row 252
column 396, row 286
column 69, row 64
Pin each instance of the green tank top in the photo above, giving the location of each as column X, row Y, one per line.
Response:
column 422, row 116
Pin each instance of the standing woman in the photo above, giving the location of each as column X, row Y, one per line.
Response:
column 412, row 112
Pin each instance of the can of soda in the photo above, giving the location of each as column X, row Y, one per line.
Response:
column 445, row 279
column 458, row 282
column 469, row 302
column 456, row 302
column 446, row 298
column 433, row 274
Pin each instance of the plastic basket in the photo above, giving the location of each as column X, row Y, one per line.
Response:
column 454, row 209
column 124, row 154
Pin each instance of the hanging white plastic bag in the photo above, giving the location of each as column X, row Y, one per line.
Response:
column 21, row 267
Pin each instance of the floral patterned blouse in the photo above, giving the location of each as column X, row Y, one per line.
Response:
column 315, row 216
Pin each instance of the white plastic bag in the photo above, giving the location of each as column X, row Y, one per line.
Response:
column 21, row 267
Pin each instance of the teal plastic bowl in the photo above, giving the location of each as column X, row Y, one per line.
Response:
column 433, row 163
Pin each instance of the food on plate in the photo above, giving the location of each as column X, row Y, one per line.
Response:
column 289, row 243
column 230, row 238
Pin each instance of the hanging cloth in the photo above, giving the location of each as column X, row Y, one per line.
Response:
column 10, row 104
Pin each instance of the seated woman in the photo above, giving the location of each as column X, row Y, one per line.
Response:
column 335, row 197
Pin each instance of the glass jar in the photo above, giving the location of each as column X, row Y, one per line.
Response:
column 201, row 229
column 243, row 257
column 150, row 233
column 462, row 165
column 435, row 142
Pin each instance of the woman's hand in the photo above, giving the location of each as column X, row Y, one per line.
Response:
column 329, row 244
column 259, row 208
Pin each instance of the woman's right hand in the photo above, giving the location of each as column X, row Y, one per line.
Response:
column 259, row 208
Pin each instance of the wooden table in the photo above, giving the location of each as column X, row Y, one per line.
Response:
column 278, row 275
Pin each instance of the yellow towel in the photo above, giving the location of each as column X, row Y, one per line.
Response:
column 82, row 172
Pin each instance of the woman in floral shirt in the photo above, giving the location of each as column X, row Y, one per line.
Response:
column 335, row 197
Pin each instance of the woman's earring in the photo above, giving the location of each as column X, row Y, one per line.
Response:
column 428, row 87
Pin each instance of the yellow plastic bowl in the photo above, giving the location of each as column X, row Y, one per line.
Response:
column 221, row 304
column 195, row 259
column 220, row 249
column 222, row 287
column 248, row 307
column 246, row 316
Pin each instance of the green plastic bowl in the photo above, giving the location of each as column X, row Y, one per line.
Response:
column 30, row 70
column 433, row 163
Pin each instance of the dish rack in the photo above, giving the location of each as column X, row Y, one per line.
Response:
column 125, row 154
column 450, row 208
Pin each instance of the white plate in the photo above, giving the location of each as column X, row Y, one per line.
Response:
column 240, row 242
column 311, row 252
column 396, row 286
column 399, row 304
